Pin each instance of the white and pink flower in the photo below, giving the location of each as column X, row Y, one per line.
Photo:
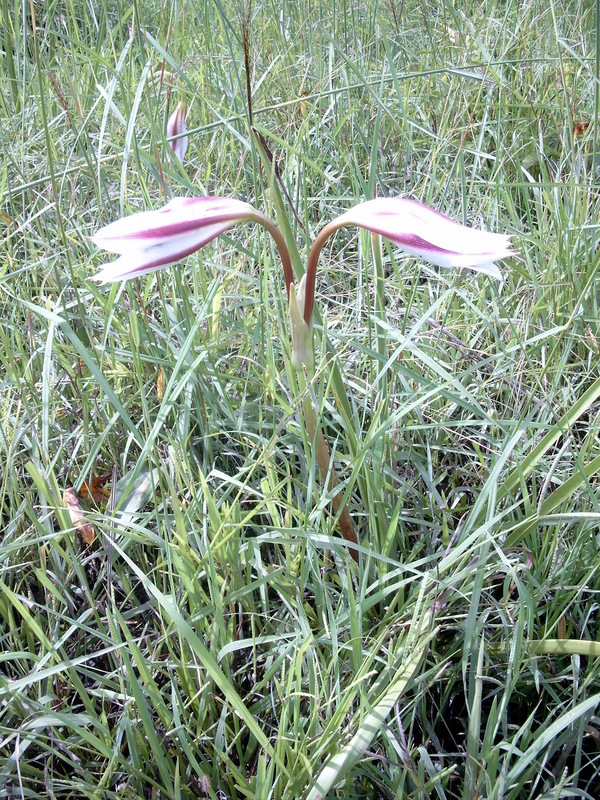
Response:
column 419, row 231
column 177, row 130
column 151, row 240
column 423, row 232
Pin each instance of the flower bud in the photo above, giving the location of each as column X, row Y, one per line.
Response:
column 176, row 127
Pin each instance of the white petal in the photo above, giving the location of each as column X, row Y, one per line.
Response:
column 423, row 232
column 183, row 216
column 131, row 265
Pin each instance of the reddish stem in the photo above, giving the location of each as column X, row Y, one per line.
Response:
column 311, row 268
column 284, row 253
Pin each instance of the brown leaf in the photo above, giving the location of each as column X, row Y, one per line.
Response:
column 97, row 491
column 160, row 384
column 77, row 514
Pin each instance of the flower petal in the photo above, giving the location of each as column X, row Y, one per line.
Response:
column 423, row 232
column 181, row 216
column 176, row 127
column 134, row 263
column 151, row 240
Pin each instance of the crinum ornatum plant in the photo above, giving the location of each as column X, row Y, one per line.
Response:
column 152, row 240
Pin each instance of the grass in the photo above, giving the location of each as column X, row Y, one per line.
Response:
column 216, row 639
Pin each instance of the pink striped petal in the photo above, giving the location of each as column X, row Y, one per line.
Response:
column 182, row 215
column 176, row 127
column 134, row 263
column 152, row 240
column 423, row 232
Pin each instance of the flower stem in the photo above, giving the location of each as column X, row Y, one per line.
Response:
column 326, row 468
column 284, row 253
column 311, row 267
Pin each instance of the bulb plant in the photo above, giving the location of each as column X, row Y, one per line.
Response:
column 152, row 240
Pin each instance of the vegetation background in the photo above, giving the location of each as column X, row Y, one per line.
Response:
column 215, row 639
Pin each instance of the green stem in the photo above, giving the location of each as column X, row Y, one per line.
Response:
column 326, row 467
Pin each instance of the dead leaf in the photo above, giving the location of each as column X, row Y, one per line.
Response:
column 160, row 384
column 77, row 514
column 97, row 492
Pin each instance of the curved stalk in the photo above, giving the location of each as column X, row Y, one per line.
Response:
column 322, row 454
column 311, row 267
column 284, row 253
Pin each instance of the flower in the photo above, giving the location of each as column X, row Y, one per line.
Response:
column 419, row 231
column 151, row 240
column 176, row 127
column 423, row 232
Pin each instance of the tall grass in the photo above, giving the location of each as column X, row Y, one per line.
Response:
column 216, row 639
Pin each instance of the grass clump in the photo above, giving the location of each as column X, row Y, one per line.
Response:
column 216, row 639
